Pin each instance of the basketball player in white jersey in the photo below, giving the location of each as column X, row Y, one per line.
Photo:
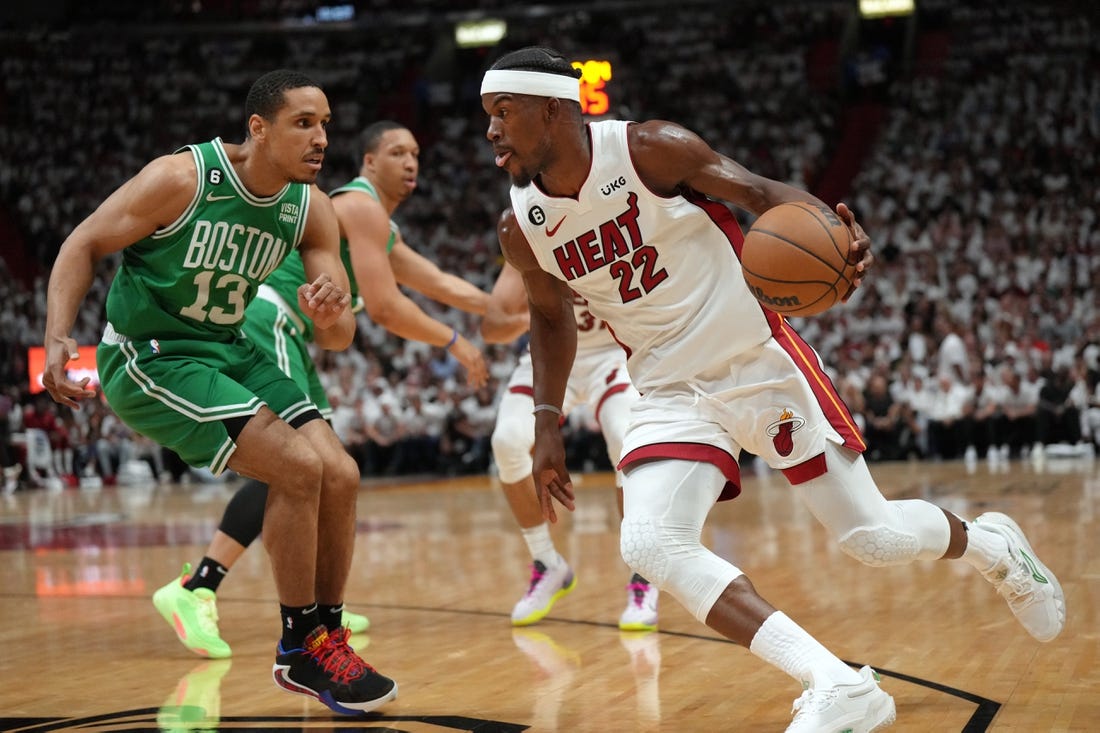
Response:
column 631, row 217
column 599, row 379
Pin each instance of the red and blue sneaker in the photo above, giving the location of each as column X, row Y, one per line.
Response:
column 327, row 669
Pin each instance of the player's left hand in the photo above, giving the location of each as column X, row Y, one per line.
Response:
column 860, row 251
column 323, row 301
column 468, row 355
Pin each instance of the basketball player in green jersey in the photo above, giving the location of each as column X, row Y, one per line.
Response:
column 197, row 232
column 374, row 254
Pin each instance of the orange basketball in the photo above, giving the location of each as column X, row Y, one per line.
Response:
column 795, row 259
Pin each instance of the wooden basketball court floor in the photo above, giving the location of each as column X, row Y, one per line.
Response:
column 439, row 564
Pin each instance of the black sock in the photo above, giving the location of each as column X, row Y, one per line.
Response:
column 208, row 574
column 298, row 622
column 331, row 616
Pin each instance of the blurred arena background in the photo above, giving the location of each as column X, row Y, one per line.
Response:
column 963, row 135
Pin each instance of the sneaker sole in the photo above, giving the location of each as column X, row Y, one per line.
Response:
column 278, row 673
column 637, row 626
column 998, row 519
column 884, row 717
column 535, row 616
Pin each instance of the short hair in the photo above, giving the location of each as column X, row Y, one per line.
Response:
column 372, row 134
column 537, row 58
column 266, row 96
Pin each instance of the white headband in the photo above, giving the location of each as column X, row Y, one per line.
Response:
column 535, row 83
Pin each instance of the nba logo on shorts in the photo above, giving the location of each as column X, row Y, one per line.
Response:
column 781, row 432
column 154, row 346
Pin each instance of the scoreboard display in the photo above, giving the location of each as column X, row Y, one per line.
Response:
column 595, row 94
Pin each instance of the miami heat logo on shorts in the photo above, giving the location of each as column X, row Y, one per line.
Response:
column 781, row 432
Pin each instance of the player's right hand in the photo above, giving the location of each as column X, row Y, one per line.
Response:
column 60, row 350
column 468, row 355
column 552, row 479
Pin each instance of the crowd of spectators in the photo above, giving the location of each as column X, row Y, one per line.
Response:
column 977, row 335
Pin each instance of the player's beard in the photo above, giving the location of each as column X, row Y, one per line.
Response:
column 522, row 179
column 543, row 155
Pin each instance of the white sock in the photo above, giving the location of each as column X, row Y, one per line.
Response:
column 541, row 545
column 984, row 549
column 784, row 644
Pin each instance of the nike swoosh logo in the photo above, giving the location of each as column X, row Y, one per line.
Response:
column 1033, row 567
column 211, row 197
column 551, row 232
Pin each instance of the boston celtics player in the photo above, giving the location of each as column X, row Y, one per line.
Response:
column 375, row 254
column 198, row 232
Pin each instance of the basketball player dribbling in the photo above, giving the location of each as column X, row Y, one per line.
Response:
column 630, row 216
column 198, row 231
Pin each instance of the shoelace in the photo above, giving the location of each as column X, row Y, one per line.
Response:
column 340, row 660
column 639, row 590
column 813, row 701
column 207, row 614
column 1015, row 588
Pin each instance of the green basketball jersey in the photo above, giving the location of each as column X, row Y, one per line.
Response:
column 292, row 273
column 361, row 184
column 194, row 278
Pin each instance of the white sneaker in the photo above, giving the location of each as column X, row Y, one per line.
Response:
column 1032, row 591
column 547, row 586
column 859, row 708
column 640, row 613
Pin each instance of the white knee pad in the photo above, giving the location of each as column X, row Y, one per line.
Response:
column 871, row 529
column 666, row 503
column 640, row 543
column 901, row 542
column 513, row 437
column 880, row 546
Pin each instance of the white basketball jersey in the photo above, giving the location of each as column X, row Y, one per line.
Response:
column 619, row 245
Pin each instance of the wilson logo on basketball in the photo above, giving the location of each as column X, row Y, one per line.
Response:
column 782, row 431
column 782, row 301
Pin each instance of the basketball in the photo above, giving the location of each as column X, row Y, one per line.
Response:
column 795, row 259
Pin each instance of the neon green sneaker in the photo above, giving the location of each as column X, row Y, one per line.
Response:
column 355, row 622
column 193, row 615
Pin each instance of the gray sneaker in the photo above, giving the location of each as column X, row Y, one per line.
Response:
column 1032, row 591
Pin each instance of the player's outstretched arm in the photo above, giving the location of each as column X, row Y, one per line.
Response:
column 366, row 226
column 154, row 198
column 416, row 271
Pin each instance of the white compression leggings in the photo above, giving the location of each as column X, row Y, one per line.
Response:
column 664, row 506
column 514, row 434
column 666, row 502
column 871, row 529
